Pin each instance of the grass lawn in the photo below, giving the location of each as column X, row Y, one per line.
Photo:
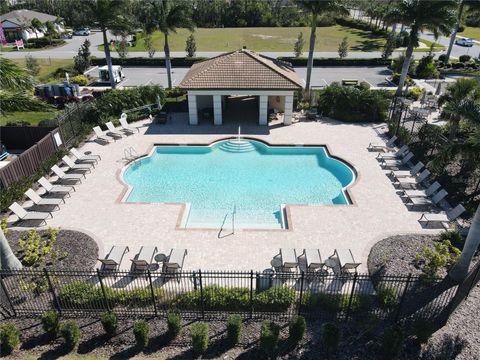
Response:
column 471, row 32
column 277, row 39
column 48, row 68
column 436, row 47
column 33, row 117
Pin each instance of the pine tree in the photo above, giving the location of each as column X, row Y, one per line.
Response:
column 298, row 47
column 83, row 58
column 190, row 46
column 343, row 48
column 148, row 43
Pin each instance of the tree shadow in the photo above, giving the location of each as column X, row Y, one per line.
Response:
column 92, row 343
column 56, row 352
column 37, row 340
column 449, row 347
column 127, row 353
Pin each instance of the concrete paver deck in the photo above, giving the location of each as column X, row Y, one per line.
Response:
column 377, row 213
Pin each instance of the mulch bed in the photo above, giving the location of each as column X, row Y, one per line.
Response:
column 81, row 249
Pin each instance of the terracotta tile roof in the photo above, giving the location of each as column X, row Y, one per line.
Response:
column 242, row 69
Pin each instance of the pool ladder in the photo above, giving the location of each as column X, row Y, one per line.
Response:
column 129, row 153
column 233, row 213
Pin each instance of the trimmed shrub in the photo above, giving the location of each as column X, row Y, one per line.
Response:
column 296, row 329
column 9, row 337
column 387, row 297
column 423, row 329
column 464, row 58
column 330, row 337
column 50, row 322
column 70, row 331
column 426, row 69
column 442, row 58
column 414, row 93
column 269, row 337
column 109, row 322
column 392, row 343
column 141, row 331
column 174, row 324
column 81, row 80
column 234, row 329
column 455, row 238
column 199, row 334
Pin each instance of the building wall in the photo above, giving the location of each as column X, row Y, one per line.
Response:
column 204, row 101
column 276, row 103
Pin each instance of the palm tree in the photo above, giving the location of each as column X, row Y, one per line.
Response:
column 460, row 270
column 316, row 8
column 168, row 15
column 420, row 15
column 108, row 15
column 460, row 101
column 13, row 77
column 36, row 26
column 8, row 260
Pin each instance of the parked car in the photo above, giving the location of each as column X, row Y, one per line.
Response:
column 464, row 42
column 67, row 35
column 82, row 32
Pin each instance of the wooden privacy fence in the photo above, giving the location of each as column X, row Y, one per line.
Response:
column 28, row 162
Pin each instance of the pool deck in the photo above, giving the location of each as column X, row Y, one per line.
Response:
column 378, row 211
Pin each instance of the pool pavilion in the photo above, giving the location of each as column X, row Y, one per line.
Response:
column 240, row 86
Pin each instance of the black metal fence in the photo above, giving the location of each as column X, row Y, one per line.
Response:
column 215, row 295
column 73, row 122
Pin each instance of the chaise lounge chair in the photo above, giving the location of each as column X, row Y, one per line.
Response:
column 413, row 181
column 72, row 166
column 37, row 200
column 394, row 154
column 388, row 163
column 425, row 201
column 175, row 260
column 114, row 133
column 143, row 259
column 313, row 259
column 422, row 193
column 49, row 188
column 382, row 147
column 126, row 127
column 69, row 177
column 24, row 215
column 100, row 134
column 289, row 259
column 342, row 262
column 114, row 258
column 407, row 173
column 443, row 218
column 80, row 157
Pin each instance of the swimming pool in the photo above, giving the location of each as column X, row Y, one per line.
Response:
column 241, row 181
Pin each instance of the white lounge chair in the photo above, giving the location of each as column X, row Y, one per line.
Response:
column 114, row 258
column 175, row 260
column 114, row 133
column 37, row 200
column 289, row 259
column 142, row 261
column 313, row 259
column 49, row 188
column 422, row 193
column 72, row 166
column 425, row 201
column 382, row 147
column 342, row 262
column 100, row 134
column 443, row 218
column 70, row 177
column 406, row 173
column 388, row 163
column 394, row 154
column 413, row 181
column 24, row 215
column 126, row 127
column 81, row 157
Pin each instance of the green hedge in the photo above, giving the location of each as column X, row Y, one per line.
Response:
column 43, row 42
column 143, row 61
column 336, row 302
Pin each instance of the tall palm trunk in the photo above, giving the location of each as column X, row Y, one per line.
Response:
column 460, row 271
column 453, row 129
column 406, row 62
column 108, row 57
column 8, row 260
column 454, row 32
column 311, row 49
column 168, row 64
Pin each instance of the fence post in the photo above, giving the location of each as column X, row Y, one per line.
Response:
column 302, row 279
column 52, row 290
column 194, row 281
column 201, row 293
column 7, row 295
column 349, row 309
column 152, row 292
column 402, row 298
column 251, row 294
column 103, row 290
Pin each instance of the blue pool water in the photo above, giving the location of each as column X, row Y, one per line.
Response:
column 246, row 176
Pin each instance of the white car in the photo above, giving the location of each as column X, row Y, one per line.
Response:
column 82, row 32
column 464, row 42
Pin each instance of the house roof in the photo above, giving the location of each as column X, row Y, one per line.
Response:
column 242, row 69
column 24, row 17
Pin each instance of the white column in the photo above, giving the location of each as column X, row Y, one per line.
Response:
column 192, row 109
column 263, row 110
column 217, row 109
column 287, row 117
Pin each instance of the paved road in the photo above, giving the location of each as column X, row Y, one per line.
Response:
column 321, row 76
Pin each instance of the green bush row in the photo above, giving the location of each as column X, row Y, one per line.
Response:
column 43, row 42
column 16, row 191
column 145, row 61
